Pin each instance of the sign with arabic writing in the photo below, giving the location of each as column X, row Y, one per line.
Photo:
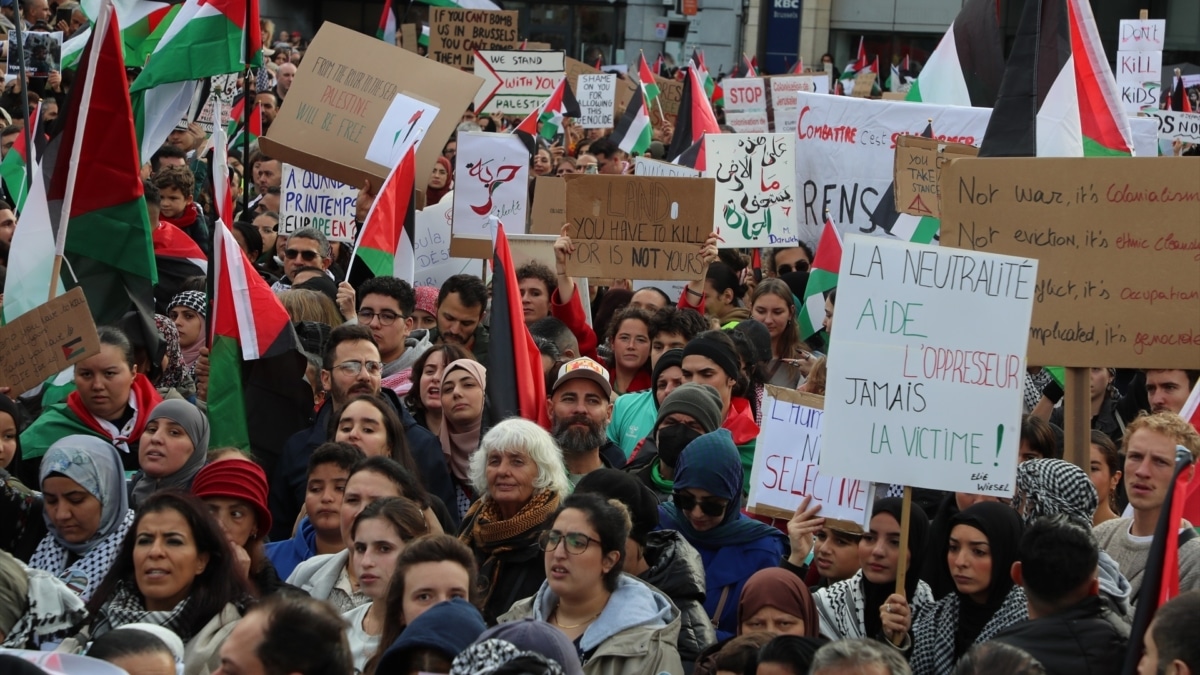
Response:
column 755, row 204
column 491, row 179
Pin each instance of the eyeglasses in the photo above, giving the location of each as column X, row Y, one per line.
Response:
column 685, row 502
column 577, row 542
column 365, row 316
column 355, row 367
column 307, row 256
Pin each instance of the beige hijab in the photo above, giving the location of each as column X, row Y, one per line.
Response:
column 459, row 444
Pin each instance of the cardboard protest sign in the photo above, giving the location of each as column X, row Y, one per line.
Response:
column 1139, row 79
column 432, row 246
column 597, row 96
column 864, row 83
column 516, row 82
column 404, row 125
column 911, row 397
column 746, row 104
column 343, row 89
column 312, row 200
column 574, row 68
column 43, row 54
column 408, row 37
column 786, row 461
column 638, row 227
column 755, row 200
column 784, row 89
column 1180, row 126
column 845, row 152
column 1145, row 35
column 491, row 178
column 644, row 166
column 455, row 34
column 670, row 93
column 918, row 163
column 1119, row 246
column 45, row 340
column 549, row 210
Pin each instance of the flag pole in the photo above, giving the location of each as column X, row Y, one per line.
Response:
column 25, row 128
column 247, row 104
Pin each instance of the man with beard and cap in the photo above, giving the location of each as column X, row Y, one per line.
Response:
column 350, row 366
column 688, row 412
column 579, row 411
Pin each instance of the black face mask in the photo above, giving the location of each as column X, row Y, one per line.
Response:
column 672, row 440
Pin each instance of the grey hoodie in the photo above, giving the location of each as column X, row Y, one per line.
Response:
column 415, row 345
column 1114, row 587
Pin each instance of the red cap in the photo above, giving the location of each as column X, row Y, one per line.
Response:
column 237, row 479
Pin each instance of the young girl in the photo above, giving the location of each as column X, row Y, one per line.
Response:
column 378, row 536
column 188, row 310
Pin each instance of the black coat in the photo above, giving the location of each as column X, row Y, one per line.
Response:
column 1085, row 638
column 522, row 571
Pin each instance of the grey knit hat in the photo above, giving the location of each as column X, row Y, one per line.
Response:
column 701, row 401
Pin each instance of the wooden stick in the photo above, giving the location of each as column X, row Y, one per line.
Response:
column 54, row 274
column 905, row 520
column 1143, row 14
column 1077, row 422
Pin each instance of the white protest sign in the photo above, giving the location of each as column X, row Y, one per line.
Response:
column 846, row 148
column 516, row 82
column 312, row 200
column 491, row 178
column 1139, row 79
column 1177, row 125
column 746, row 104
column 644, row 166
column 786, row 461
column 432, row 246
column 597, row 95
column 1142, row 36
column 924, row 387
column 783, row 97
column 403, row 126
column 755, row 201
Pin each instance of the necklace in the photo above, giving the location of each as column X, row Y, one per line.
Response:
column 582, row 623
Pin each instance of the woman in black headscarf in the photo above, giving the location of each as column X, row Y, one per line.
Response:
column 983, row 546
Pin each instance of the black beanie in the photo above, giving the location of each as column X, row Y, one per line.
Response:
column 627, row 489
column 669, row 358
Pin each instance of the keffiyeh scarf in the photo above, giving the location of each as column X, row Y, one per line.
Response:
column 840, row 607
column 52, row 611
column 86, row 573
column 934, row 631
column 127, row 606
column 483, row 658
column 1049, row 487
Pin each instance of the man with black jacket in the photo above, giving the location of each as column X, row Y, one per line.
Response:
column 1070, row 629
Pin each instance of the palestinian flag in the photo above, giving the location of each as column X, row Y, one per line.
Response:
column 1178, row 100
column 695, row 118
column 95, row 189
column 905, row 226
column 697, row 62
column 31, row 254
column 633, row 133
column 142, row 20
column 798, row 68
column 177, row 258
column 387, row 24
column 858, row 65
column 207, row 37
column 14, row 169
column 1058, row 97
column 423, row 38
column 745, row 68
column 649, row 85
column 1160, row 581
column 218, row 175
column 967, row 65
column 822, row 278
column 385, row 244
column 515, row 384
column 527, row 130
column 464, row 4
column 657, row 68
column 255, row 367
column 562, row 103
column 239, row 136
column 900, row 75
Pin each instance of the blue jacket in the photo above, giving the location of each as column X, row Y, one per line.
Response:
column 729, row 567
column 286, row 554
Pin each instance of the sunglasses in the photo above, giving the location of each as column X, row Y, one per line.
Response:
column 686, row 503
column 801, row 266
column 307, row 256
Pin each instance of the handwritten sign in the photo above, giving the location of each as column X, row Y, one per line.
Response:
column 516, row 82
column 918, row 163
column 432, row 246
column 403, row 126
column 746, row 104
column 864, row 84
column 312, row 200
column 755, row 200
column 925, row 385
column 1119, row 245
column 638, row 227
column 786, row 461
column 455, row 34
column 1178, row 126
column 597, row 94
column 783, row 97
column 47, row 339
column 491, row 179
column 1139, row 78
column 1147, row 35
column 644, row 166
column 670, row 94
column 549, row 210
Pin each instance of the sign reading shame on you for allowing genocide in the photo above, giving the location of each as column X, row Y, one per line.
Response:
column 1119, row 244
column 925, row 383
column 637, row 227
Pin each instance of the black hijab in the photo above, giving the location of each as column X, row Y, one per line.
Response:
column 1002, row 526
column 875, row 595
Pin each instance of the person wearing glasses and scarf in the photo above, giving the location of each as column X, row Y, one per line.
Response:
column 618, row 623
column 706, row 509
column 306, row 247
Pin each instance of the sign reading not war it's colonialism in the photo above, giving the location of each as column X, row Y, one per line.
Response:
column 786, row 462
column 1119, row 245
column 755, row 202
column 845, row 152
column 783, row 96
column 311, row 200
column 491, row 178
column 637, row 227
column 746, row 104
column 925, row 385
column 516, row 82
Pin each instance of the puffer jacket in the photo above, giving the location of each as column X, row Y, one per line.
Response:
column 677, row 571
column 635, row 633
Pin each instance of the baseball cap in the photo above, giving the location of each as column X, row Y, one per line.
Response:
column 586, row 368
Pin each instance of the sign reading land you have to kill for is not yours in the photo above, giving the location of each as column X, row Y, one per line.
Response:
column 926, row 378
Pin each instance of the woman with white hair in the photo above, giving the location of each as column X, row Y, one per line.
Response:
column 519, row 474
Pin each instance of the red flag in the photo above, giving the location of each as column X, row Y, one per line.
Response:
column 695, row 118
column 1191, row 413
column 799, row 67
column 515, row 383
